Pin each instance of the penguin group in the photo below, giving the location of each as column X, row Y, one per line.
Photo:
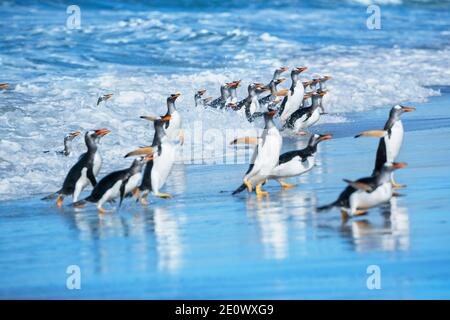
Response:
column 296, row 109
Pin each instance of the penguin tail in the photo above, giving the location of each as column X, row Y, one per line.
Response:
column 240, row 189
column 80, row 203
column 327, row 207
column 52, row 196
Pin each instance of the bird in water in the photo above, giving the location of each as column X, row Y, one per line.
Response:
column 273, row 87
column 232, row 98
column 172, row 126
column 199, row 100
column 276, row 75
column 305, row 117
column 251, row 103
column 297, row 162
column 84, row 171
column 159, row 166
column 104, row 97
column 294, row 96
column 219, row 103
column 391, row 139
column 323, row 88
column 4, row 86
column 121, row 183
column 365, row 193
column 265, row 155
column 68, row 138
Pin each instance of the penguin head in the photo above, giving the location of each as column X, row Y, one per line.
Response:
column 72, row 135
column 316, row 138
column 397, row 110
column 95, row 135
column 173, row 97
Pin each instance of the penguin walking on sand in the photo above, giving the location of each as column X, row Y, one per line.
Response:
column 158, row 168
column 297, row 162
column 84, row 171
column 391, row 139
column 265, row 156
column 365, row 193
column 117, row 184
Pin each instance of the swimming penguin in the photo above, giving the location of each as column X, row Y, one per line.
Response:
column 159, row 167
column 322, row 88
column 265, row 156
column 199, row 100
column 305, row 117
column 294, row 97
column 84, row 171
column 232, row 97
column 104, row 98
column 391, row 139
column 297, row 162
column 365, row 193
column 276, row 75
column 68, row 142
column 120, row 183
column 273, row 87
column 220, row 102
column 251, row 103
column 172, row 126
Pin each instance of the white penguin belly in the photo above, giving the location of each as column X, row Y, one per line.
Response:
column 292, row 168
column 294, row 102
column 394, row 142
column 110, row 194
column 174, row 125
column 365, row 200
column 162, row 165
column 97, row 163
column 304, row 123
column 133, row 182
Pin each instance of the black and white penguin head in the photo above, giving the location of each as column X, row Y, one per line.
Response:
column 316, row 138
column 173, row 97
column 72, row 135
column 96, row 135
column 397, row 110
column 279, row 71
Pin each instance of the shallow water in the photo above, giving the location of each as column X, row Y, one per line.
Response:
column 204, row 243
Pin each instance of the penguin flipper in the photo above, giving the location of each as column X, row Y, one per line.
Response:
column 52, row 196
column 327, row 207
column 91, row 177
column 122, row 191
column 359, row 185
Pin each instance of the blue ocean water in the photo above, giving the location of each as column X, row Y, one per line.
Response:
column 204, row 243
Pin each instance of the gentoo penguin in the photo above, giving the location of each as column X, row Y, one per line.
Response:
column 391, row 138
column 273, row 87
column 305, row 117
column 365, row 193
column 297, row 162
column 67, row 143
column 4, row 86
column 158, row 168
column 84, row 171
column 120, row 183
column 265, row 156
column 276, row 75
column 323, row 88
column 199, row 100
column 172, row 127
column 294, row 98
column 232, row 97
column 251, row 103
column 104, row 98
column 220, row 102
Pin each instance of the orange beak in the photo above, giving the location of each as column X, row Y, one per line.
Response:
column 258, row 85
column 399, row 165
column 166, row 118
column 102, row 132
column 175, row 95
column 271, row 113
column 281, row 80
column 325, row 137
column 327, row 78
column 408, row 109
column 201, row 92
column 301, row 69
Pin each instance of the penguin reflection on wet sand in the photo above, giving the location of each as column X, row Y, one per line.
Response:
column 84, row 171
column 158, row 168
column 391, row 139
column 117, row 184
column 365, row 193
